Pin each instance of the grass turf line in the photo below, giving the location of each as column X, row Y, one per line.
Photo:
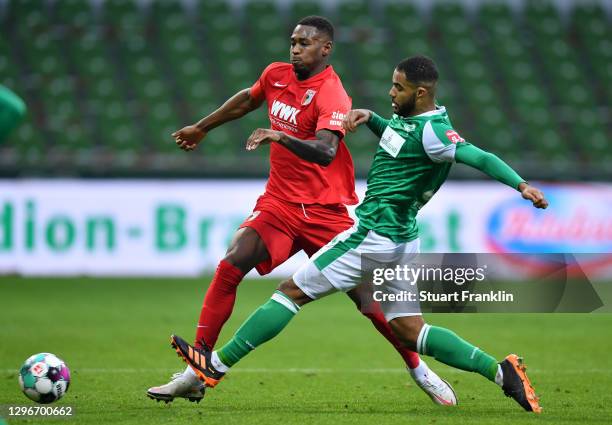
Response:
column 328, row 366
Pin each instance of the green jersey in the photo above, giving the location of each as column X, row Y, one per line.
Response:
column 413, row 159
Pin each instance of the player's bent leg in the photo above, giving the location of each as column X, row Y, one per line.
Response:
column 264, row 324
column 444, row 345
column 439, row 390
column 448, row 348
column 246, row 250
column 407, row 329
column 364, row 302
column 291, row 290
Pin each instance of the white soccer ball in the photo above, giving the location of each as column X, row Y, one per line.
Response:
column 44, row 378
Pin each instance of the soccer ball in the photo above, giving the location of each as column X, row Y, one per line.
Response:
column 44, row 378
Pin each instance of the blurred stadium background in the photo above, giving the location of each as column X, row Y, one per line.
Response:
column 107, row 81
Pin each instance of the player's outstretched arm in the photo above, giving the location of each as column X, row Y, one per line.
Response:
column 321, row 150
column 356, row 117
column 494, row 167
column 240, row 104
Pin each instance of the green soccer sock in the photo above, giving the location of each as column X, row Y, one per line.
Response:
column 264, row 324
column 447, row 347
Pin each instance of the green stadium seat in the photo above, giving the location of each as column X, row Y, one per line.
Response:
column 593, row 29
column 116, row 76
column 213, row 9
column 355, row 14
column 73, row 14
column 302, row 9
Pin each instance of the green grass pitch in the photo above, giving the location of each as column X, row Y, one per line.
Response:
column 328, row 367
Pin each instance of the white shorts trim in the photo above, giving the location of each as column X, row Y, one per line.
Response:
column 285, row 302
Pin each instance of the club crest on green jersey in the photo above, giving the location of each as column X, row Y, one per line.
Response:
column 454, row 137
column 409, row 127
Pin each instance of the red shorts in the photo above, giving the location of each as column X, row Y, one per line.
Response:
column 287, row 227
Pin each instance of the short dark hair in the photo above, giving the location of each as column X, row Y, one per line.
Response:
column 419, row 69
column 320, row 23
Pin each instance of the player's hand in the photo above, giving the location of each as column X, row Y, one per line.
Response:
column 534, row 195
column 262, row 136
column 355, row 118
column 187, row 138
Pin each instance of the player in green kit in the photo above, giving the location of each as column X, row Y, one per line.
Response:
column 12, row 111
column 416, row 150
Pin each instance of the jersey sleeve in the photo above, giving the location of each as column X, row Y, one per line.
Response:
column 489, row 164
column 440, row 141
column 332, row 106
column 377, row 124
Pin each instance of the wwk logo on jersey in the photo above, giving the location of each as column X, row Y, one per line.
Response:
column 454, row 137
column 284, row 112
column 308, row 96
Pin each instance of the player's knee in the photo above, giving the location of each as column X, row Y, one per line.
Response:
column 242, row 257
column 354, row 296
column 289, row 288
column 362, row 297
column 246, row 250
column 407, row 329
column 236, row 259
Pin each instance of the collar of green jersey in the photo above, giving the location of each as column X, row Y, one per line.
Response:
column 440, row 110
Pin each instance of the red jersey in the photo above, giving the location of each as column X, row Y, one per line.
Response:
column 300, row 108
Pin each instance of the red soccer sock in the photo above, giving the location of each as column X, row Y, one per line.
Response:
column 380, row 323
column 218, row 303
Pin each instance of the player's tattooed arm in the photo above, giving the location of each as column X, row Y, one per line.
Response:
column 321, row 150
column 236, row 106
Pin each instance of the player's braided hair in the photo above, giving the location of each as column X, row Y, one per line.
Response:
column 419, row 69
column 320, row 23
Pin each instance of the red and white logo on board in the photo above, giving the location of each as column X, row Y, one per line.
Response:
column 454, row 137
